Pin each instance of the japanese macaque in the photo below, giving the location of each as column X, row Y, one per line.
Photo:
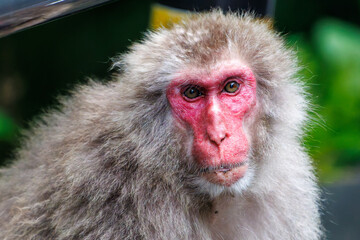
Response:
column 197, row 137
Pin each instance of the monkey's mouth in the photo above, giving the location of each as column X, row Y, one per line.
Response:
column 225, row 175
column 222, row 168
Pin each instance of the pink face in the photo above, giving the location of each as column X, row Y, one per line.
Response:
column 214, row 104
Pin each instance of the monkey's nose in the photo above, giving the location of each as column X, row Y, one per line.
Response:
column 217, row 136
column 216, row 133
column 215, row 126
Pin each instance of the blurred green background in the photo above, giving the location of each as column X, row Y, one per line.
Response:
column 38, row 64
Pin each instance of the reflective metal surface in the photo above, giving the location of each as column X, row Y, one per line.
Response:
column 16, row 15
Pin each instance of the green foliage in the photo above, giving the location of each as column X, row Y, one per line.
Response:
column 331, row 63
column 8, row 128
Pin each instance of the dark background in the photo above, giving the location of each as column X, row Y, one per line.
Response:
column 40, row 63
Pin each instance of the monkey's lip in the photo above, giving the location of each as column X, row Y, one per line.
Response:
column 225, row 175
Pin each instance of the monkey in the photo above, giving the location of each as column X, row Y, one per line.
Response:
column 197, row 136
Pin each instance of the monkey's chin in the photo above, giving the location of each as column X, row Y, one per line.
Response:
column 226, row 176
column 234, row 181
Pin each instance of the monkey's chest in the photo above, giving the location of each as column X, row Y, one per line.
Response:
column 224, row 219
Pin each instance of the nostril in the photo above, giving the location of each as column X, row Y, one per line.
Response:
column 223, row 137
column 217, row 139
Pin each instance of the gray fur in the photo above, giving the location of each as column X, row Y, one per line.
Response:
column 111, row 163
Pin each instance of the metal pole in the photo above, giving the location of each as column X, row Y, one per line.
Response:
column 16, row 15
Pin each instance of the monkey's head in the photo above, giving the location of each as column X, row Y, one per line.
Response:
column 214, row 79
column 213, row 104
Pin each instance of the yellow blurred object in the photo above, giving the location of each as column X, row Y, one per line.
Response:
column 163, row 16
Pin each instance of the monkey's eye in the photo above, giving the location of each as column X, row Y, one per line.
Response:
column 192, row 92
column 231, row 87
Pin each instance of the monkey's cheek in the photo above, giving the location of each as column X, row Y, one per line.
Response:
column 226, row 178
